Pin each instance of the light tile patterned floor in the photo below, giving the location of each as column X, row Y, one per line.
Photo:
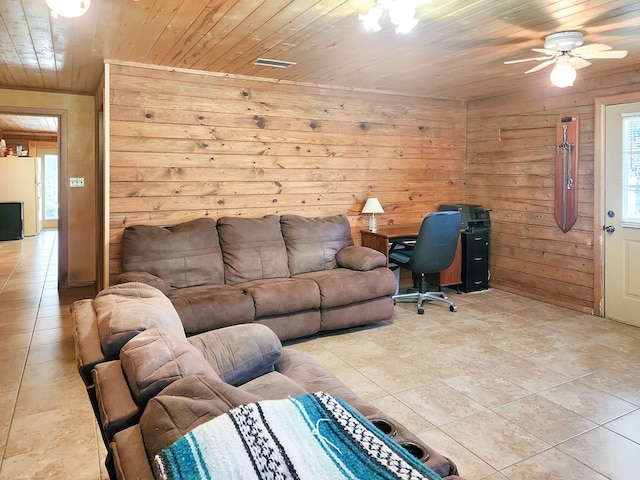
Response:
column 508, row 387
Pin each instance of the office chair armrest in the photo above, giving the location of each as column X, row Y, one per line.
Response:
column 360, row 258
column 406, row 245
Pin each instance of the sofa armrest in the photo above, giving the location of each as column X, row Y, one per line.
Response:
column 117, row 408
column 360, row 258
column 86, row 339
column 239, row 353
column 129, row 455
column 144, row 277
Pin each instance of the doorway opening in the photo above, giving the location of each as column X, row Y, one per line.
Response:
column 39, row 133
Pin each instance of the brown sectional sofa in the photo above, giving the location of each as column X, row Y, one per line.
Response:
column 297, row 275
column 163, row 383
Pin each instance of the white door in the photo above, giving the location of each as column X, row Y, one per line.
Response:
column 38, row 182
column 622, row 213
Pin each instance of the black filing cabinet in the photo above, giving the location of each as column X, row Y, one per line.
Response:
column 475, row 261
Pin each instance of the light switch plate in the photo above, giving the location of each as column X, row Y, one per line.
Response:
column 76, row 182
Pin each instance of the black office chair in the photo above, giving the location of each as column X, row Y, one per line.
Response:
column 433, row 251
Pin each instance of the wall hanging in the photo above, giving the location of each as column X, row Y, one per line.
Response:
column 566, row 183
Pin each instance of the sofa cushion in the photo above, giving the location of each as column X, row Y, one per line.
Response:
column 125, row 310
column 279, row 296
column 342, row 286
column 273, row 386
column 252, row 248
column 312, row 243
column 155, row 359
column 239, row 353
column 184, row 255
column 207, row 307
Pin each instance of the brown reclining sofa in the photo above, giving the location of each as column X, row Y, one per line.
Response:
column 295, row 274
column 163, row 384
column 184, row 336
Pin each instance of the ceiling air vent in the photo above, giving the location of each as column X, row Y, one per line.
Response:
column 265, row 62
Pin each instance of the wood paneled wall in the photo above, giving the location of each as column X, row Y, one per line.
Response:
column 511, row 149
column 187, row 144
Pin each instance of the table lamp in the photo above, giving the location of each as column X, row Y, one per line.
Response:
column 373, row 206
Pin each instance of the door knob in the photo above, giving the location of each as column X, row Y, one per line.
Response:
column 609, row 228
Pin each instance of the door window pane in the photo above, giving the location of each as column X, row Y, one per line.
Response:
column 51, row 187
column 631, row 169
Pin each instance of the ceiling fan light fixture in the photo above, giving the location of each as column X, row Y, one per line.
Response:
column 406, row 25
column 563, row 74
column 401, row 13
column 68, row 8
column 371, row 20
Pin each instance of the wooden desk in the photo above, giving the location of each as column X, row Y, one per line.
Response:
column 381, row 239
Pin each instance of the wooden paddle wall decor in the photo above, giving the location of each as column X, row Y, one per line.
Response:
column 566, row 184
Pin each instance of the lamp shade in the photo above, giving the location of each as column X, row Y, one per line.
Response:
column 372, row 206
column 68, row 8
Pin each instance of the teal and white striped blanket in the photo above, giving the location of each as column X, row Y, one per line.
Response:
column 314, row 436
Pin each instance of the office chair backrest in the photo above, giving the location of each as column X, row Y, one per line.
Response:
column 437, row 242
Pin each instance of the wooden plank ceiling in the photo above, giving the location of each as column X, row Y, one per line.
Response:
column 456, row 51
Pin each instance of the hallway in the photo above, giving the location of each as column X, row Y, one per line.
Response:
column 47, row 428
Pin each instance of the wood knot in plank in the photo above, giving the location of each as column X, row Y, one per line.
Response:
column 364, row 127
column 260, row 121
column 148, row 115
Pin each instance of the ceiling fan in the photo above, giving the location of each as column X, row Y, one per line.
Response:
column 567, row 52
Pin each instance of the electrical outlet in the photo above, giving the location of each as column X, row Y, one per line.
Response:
column 76, row 182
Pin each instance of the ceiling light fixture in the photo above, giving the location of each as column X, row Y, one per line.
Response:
column 68, row 8
column 563, row 74
column 401, row 13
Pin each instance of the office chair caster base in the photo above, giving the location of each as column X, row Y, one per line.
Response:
column 453, row 308
column 421, row 311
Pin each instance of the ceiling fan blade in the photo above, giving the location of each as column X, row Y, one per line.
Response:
column 547, row 51
column 510, row 62
column 606, row 54
column 590, row 48
column 541, row 66
column 578, row 62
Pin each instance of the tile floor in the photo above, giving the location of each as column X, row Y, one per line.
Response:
column 510, row 388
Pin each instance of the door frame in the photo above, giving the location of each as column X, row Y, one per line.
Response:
column 599, row 141
column 63, row 193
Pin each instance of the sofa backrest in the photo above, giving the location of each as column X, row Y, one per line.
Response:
column 252, row 249
column 312, row 243
column 123, row 311
column 155, row 359
column 185, row 255
column 235, row 250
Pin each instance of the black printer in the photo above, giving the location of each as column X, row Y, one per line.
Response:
column 474, row 217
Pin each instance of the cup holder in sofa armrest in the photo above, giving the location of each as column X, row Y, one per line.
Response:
column 385, row 426
column 416, row 450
